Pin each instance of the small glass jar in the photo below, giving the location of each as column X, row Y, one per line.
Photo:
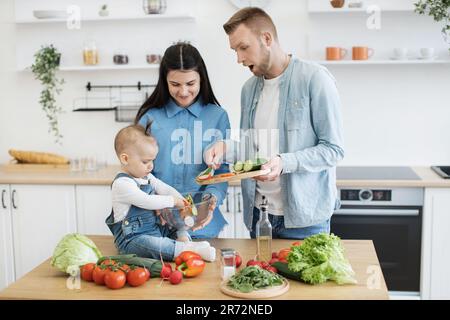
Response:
column 120, row 58
column 90, row 54
column 228, row 261
column 154, row 6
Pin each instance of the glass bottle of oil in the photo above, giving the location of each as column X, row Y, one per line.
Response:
column 264, row 233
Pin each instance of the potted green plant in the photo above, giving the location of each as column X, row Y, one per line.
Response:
column 46, row 63
column 439, row 10
column 103, row 12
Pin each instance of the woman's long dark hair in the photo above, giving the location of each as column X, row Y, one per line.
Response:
column 180, row 56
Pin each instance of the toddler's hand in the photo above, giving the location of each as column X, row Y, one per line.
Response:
column 180, row 203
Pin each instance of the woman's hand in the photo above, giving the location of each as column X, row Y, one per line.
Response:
column 214, row 156
column 211, row 207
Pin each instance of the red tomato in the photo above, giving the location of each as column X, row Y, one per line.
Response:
column 115, row 279
column 147, row 273
column 108, row 262
column 137, row 277
column 125, row 268
column 99, row 274
column 296, row 243
column 238, row 261
column 274, row 254
column 283, row 253
column 86, row 271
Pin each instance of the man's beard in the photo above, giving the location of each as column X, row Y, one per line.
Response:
column 263, row 68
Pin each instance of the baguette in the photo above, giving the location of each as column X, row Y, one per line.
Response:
column 37, row 157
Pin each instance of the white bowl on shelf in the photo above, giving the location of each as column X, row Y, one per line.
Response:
column 50, row 14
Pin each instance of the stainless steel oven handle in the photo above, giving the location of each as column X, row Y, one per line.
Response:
column 377, row 212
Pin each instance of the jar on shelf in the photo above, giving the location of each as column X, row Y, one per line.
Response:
column 90, row 54
column 120, row 57
column 154, row 6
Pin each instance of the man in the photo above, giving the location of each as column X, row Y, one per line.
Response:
column 298, row 102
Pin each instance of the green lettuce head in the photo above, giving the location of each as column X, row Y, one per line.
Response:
column 74, row 250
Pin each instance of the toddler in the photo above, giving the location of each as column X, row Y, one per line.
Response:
column 136, row 194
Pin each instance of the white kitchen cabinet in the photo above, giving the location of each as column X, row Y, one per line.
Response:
column 241, row 231
column 41, row 216
column 6, row 241
column 233, row 212
column 227, row 209
column 93, row 207
column 435, row 278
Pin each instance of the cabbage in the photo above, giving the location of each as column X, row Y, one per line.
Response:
column 74, row 250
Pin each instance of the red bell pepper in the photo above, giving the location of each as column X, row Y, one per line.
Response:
column 185, row 256
column 192, row 267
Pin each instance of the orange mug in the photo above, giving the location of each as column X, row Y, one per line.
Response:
column 335, row 53
column 362, row 53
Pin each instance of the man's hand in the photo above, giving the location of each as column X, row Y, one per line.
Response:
column 214, row 155
column 211, row 207
column 275, row 165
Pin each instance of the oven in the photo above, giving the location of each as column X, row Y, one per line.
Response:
column 392, row 219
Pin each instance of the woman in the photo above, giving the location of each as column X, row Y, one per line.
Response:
column 186, row 118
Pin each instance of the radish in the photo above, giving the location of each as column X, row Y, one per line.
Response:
column 166, row 271
column 176, row 277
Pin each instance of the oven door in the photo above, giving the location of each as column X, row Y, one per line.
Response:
column 396, row 234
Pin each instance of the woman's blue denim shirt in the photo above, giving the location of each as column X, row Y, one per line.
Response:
column 182, row 135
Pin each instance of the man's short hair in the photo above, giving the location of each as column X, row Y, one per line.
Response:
column 130, row 135
column 253, row 18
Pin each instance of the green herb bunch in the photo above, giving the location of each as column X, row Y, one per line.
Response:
column 44, row 68
column 253, row 278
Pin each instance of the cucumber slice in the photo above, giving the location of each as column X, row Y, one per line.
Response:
column 252, row 165
column 260, row 161
column 238, row 166
column 249, row 165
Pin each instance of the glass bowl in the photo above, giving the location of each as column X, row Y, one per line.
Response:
column 190, row 216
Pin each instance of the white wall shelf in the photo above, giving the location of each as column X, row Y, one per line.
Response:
column 324, row 6
column 381, row 62
column 126, row 26
column 355, row 10
column 105, row 19
column 102, row 68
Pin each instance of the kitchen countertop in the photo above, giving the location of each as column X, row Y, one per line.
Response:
column 46, row 282
column 23, row 174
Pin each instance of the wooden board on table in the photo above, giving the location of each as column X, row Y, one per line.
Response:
column 235, row 177
column 257, row 294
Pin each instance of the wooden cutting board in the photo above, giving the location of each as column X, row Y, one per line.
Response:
column 236, row 177
column 257, row 294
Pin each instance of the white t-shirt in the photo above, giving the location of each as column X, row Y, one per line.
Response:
column 125, row 193
column 266, row 140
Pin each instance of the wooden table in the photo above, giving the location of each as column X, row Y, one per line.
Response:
column 46, row 282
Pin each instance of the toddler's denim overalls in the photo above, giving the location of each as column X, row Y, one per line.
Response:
column 141, row 233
